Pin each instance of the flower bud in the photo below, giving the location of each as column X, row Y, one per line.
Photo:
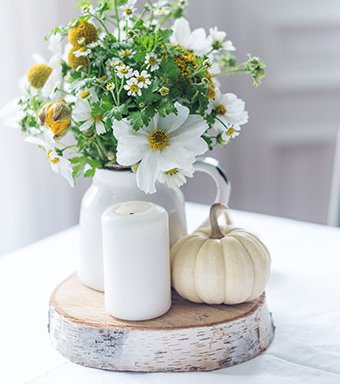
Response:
column 207, row 63
column 111, row 156
column 56, row 116
column 131, row 34
column 134, row 167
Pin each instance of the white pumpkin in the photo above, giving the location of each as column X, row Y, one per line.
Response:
column 220, row 264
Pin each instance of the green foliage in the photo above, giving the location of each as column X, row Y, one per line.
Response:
column 186, row 75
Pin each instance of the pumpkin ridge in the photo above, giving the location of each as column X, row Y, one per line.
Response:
column 199, row 250
column 252, row 262
column 258, row 244
column 225, row 278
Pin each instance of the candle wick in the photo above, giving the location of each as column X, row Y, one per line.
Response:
column 131, row 213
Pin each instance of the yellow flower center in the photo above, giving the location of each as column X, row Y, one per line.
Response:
column 128, row 11
column 221, row 109
column 53, row 160
column 230, row 131
column 134, row 88
column 172, row 172
column 164, row 91
column 126, row 53
column 152, row 61
column 84, row 94
column 97, row 118
column 141, row 79
column 123, row 70
column 110, row 86
column 158, row 140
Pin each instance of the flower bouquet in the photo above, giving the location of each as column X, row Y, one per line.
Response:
column 133, row 89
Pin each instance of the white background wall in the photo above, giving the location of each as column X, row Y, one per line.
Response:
column 281, row 164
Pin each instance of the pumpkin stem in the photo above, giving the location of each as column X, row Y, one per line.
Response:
column 216, row 232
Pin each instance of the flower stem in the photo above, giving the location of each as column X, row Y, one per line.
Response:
column 118, row 19
column 230, row 71
column 101, row 150
column 221, row 121
column 68, row 147
column 102, row 24
column 139, row 18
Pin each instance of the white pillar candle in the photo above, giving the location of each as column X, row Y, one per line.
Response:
column 136, row 260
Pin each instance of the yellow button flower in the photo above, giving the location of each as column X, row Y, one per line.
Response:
column 77, row 61
column 82, row 34
column 38, row 74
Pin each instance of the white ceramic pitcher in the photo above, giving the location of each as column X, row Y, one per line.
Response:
column 110, row 187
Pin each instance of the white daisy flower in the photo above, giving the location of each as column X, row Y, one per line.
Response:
column 231, row 133
column 82, row 113
column 129, row 8
column 94, row 44
column 85, row 9
column 127, row 52
column 231, row 114
column 124, row 26
column 164, row 91
column 168, row 142
column 196, row 40
column 58, row 163
column 133, row 87
column 175, row 177
column 124, row 71
column 216, row 40
column 161, row 8
column 152, row 62
column 143, row 78
column 111, row 65
column 82, row 51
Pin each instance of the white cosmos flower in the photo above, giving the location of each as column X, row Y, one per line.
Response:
column 82, row 113
column 133, row 87
column 168, row 142
column 55, row 80
column 152, row 62
column 231, row 115
column 124, row 71
column 176, row 177
column 196, row 40
column 216, row 40
column 58, row 163
column 143, row 78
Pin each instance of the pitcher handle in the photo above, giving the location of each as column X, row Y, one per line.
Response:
column 213, row 168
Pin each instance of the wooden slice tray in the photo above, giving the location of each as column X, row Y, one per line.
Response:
column 190, row 337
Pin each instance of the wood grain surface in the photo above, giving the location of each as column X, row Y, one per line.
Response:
column 190, row 337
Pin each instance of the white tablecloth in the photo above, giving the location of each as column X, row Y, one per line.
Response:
column 303, row 294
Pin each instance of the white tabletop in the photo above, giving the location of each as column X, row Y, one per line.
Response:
column 303, row 294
